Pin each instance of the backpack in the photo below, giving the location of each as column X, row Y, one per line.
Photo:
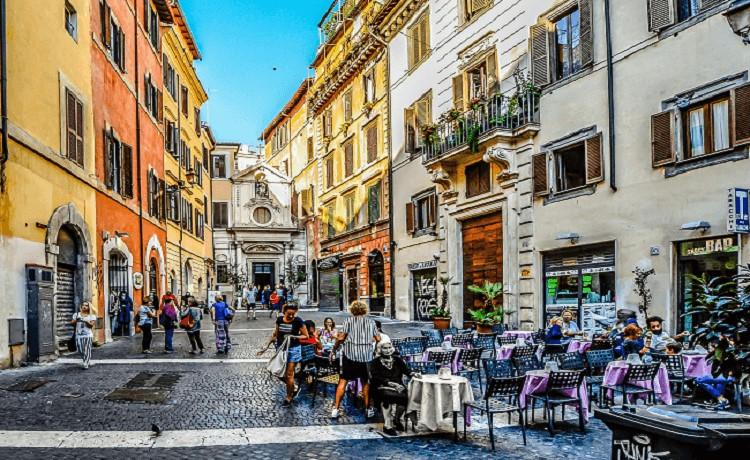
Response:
column 228, row 313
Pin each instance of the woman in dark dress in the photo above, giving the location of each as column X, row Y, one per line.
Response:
column 387, row 373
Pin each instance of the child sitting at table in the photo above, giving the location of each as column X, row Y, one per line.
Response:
column 632, row 342
column 674, row 348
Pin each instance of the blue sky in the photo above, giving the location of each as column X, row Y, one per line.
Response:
column 241, row 41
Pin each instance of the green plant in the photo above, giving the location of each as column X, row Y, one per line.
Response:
column 440, row 312
column 472, row 136
column 487, row 318
column 723, row 307
column 490, row 292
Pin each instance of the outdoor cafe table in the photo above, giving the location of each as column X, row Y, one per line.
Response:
column 436, row 399
column 581, row 346
column 536, row 383
column 526, row 335
column 695, row 365
column 505, row 351
column 454, row 364
column 615, row 375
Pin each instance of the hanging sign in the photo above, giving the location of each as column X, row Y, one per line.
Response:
column 738, row 218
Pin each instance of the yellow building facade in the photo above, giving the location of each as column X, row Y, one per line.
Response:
column 47, row 201
column 187, row 151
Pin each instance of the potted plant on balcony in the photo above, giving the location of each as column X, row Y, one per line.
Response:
column 490, row 314
column 429, row 133
column 441, row 314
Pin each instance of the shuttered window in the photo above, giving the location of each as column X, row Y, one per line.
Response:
column 348, row 109
column 221, row 214
column 348, row 159
column 118, row 165
column 327, row 121
column 127, row 171
column 329, row 172
column 74, row 128
column 473, row 8
column 458, row 92
column 418, row 40
column 741, row 112
column 368, row 83
column 572, row 166
column 423, row 219
column 416, row 116
column 330, row 221
column 374, row 200
column 372, row 142
column 197, row 120
column 184, row 100
column 540, row 174
column 477, row 179
column 219, row 167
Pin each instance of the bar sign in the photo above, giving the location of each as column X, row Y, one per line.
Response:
column 738, row 217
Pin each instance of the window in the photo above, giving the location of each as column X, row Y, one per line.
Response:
column 151, row 23
column 185, row 159
column 570, row 167
column 219, row 167
column 349, row 159
column 368, row 82
column 568, row 44
column 205, row 157
column 477, row 179
column 374, row 198
column 330, row 224
column 187, row 215
column 221, row 214
column 280, row 137
column 153, row 98
column 329, row 172
column 171, row 138
column 222, row 273
column 198, row 166
column 418, row 40
column 575, row 163
column 686, row 9
column 348, row 109
column 200, row 225
column 327, row 121
column 173, row 211
column 480, row 80
column 416, row 116
column 307, row 201
column 197, row 119
column 118, row 165
column 156, row 191
column 421, row 213
column 473, row 8
column 71, row 21
column 170, row 79
column 74, row 128
column 113, row 36
column 184, row 100
column 350, row 204
column 310, row 149
column 706, row 127
column 262, row 216
column 372, row 142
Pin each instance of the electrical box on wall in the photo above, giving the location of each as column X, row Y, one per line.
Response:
column 40, row 289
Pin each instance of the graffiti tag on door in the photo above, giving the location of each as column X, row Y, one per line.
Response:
column 424, row 293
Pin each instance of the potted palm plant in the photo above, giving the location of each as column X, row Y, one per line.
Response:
column 441, row 315
column 490, row 314
column 484, row 319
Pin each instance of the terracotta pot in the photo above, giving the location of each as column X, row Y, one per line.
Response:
column 484, row 329
column 441, row 323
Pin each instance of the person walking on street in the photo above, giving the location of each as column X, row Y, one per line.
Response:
column 289, row 325
column 168, row 320
column 84, row 323
column 265, row 298
column 190, row 320
column 252, row 299
column 125, row 314
column 145, row 322
column 356, row 338
column 275, row 301
column 222, row 315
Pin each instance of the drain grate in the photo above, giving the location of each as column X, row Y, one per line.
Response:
column 146, row 387
column 29, row 385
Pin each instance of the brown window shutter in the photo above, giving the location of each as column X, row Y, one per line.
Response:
column 660, row 14
column 372, row 143
column 79, row 132
column 122, row 51
column 160, row 104
column 539, row 53
column 409, row 131
column 493, row 85
column 349, row 159
column 587, row 33
column 197, row 121
column 108, row 160
column 741, row 104
column 424, row 36
column 127, row 171
column 539, row 172
column 146, row 11
column 107, row 25
column 163, row 200
column 458, row 92
column 594, row 160
column 662, row 139
column 410, row 218
column 432, row 210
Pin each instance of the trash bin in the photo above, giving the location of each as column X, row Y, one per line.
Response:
column 674, row 432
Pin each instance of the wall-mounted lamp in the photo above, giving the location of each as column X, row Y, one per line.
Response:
column 738, row 16
column 701, row 225
column 190, row 176
column 570, row 236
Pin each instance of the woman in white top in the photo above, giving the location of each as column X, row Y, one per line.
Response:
column 84, row 323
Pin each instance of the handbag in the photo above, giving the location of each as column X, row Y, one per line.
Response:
column 72, row 345
column 277, row 365
column 187, row 322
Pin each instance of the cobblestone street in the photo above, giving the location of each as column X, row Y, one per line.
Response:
column 215, row 399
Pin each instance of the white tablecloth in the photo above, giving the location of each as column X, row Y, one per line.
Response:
column 436, row 399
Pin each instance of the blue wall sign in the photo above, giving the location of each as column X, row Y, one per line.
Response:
column 738, row 217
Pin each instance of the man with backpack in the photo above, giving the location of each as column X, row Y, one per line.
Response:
column 221, row 316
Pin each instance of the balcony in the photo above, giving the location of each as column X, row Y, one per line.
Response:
column 337, row 14
column 501, row 117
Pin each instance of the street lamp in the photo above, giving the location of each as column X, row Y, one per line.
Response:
column 738, row 16
column 190, row 176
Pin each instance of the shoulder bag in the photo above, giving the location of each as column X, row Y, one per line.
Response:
column 277, row 365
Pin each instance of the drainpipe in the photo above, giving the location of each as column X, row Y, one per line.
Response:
column 3, row 92
column 610, row 99
column 138, row 142
column 179, row 177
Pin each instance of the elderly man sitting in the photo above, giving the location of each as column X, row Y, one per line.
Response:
column 387, row 373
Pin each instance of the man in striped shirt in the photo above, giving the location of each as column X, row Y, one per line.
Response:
column 356, row 339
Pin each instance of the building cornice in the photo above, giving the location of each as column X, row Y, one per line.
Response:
column 394, row 15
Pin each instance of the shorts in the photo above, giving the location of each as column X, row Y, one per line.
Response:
column 251, row 306
column 295, row 354
column 353, row 370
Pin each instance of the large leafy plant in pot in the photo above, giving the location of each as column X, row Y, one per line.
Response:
column 441, row 314
column 723, row 308
column 491, row 314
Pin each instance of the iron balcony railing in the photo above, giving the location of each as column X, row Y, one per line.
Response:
column 499, row 113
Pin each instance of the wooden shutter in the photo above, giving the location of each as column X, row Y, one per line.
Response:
column 160, row 105
column 587, row 33
column 539, row 53
column 594, row 160
column 432, row 210
column 146, row 18
column 373, row 203
column 741, row 103
column 662, row 139
column 79, row 132
column 150, row 192
column 108, row 160
column 410, row 218
column 411, row 47
column 349, row 159
column 372, row 143
column 493, row 85
column 122, row 51
column 104, row 15
column 197, row 113
column 458, row 92
column 660, row 14
column 127, row 171
column 424, row 35
column 410, row 136
column 708, row 4
column 540, row 175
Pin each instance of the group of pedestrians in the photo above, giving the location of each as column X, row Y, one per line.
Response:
column 271, row 299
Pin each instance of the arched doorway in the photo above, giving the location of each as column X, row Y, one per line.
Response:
column 69, row 283
column 376, row 270
column 153, row 278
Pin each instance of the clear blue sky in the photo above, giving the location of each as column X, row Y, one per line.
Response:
column 241, row 41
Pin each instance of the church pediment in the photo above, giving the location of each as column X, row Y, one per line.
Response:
column 262, row 248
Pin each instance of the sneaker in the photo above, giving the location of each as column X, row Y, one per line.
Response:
column 335, row 413
column 398, row 426
column 201, row 350
column 370, row 412
column 146, row 352
column 193, row 352
column 286, row 403
column 390, row 432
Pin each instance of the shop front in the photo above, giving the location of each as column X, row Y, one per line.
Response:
column 581, row 280
column 330, row 283
column 716, row 257
column 424, row 289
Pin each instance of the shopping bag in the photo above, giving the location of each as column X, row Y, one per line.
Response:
column 277, row 365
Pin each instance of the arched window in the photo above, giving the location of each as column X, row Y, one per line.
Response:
column 153, row 283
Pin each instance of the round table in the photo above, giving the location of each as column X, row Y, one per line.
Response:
column 695, row 365
column 435, row 398
column 615, row 375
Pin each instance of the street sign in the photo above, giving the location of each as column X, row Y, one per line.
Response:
column 738, row 206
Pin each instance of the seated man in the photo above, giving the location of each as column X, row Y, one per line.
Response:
column 656, row 339
column 387, row 373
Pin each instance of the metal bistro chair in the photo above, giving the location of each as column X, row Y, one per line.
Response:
column 636, row 373
column 410, row 347
column 434, row 338
column 558, row 383
column 551, row 350
column 675, row 371
column 423, row 367
column 597, row 361
column 442, row 358
column 502, row 396
column 572, row 361
column 307, row 369
column 506, row 340
column 526, row 364
column 522, row 352
column 488, row 344
column 497, row 368
column 601, row 344
column 462, row 340
column 498, row 329
column 327, row 373
column 469, row 363
column 538, row 337
column 452, row 331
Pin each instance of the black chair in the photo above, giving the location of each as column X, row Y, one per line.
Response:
column 526, row 364
column 423, row 367
column 410, row 347
column 497, row 368
column 601, row 344
column 498, row 329
column 307, row 369
column 462, row 340
column 558, row 383
column 469, row 363
column 434, row 337
column 597, row 361
column 675, row 371
column 466, row 331
column 636, row 373
column 327, row 373
column 441, row 358
column 452, row 331
column 488, row 343
column 538, row 336
column 506, row 339
column 502, row 396
column 553, row 349
column 522, row 352
column 572, row 361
